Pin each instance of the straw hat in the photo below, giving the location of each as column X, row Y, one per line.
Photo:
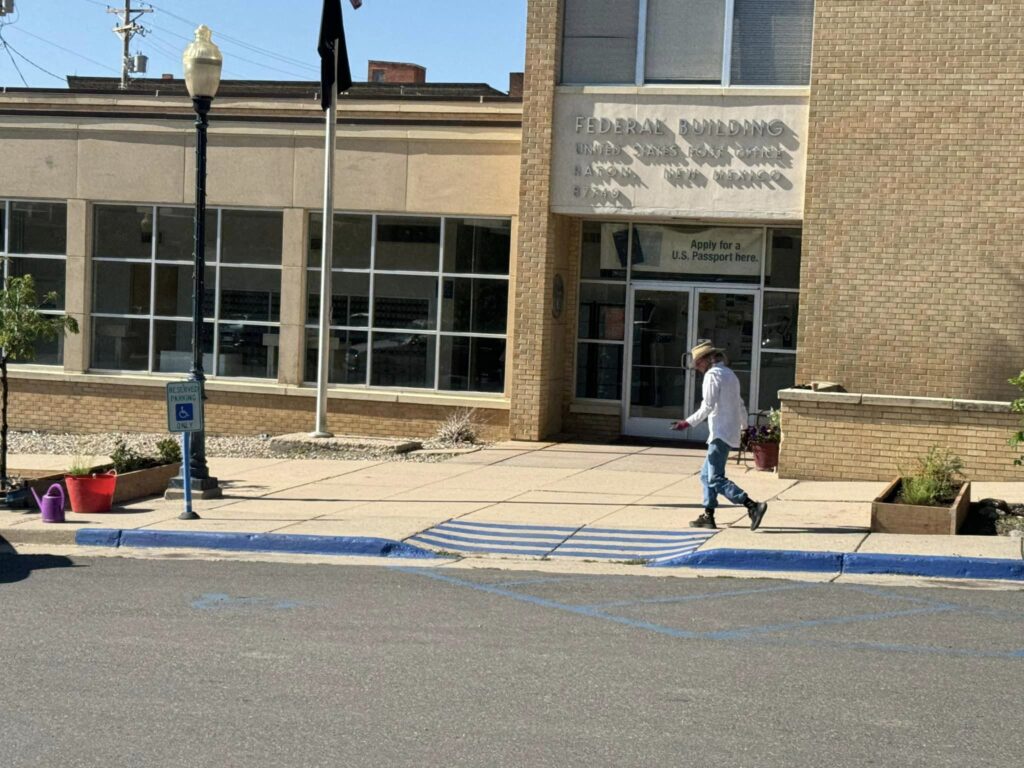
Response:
column 703, row 349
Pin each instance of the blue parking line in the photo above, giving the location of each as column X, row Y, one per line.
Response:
column 421, row 539
column 708, row 596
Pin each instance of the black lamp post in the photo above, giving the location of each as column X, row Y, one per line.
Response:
column 202, row 62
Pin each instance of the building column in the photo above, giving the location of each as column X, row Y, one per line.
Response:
column 538, row 346
column 77, row 285
column 291, row 352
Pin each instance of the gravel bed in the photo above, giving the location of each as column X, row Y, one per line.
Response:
column 102, row 443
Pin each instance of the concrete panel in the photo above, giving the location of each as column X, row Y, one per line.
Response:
column 463, row 177
column 38, row 163
column 131, row 166
column 369, row 175
column 245, row 170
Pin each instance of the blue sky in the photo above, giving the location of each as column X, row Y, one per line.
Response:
column 471, row 41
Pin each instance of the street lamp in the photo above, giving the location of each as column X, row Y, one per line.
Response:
column 202, row 63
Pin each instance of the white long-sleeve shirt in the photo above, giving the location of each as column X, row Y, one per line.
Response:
column 723, row 406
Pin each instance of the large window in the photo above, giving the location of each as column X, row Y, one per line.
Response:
column 33, row 240
column 612, row 254
column 716, row 42
column 416, row 301
column 142, row 290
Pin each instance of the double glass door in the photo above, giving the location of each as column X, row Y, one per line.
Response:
column 667, row 321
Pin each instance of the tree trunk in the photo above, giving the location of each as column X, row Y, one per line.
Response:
column 3, row 419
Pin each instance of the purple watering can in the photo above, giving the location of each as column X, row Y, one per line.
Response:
column 51, row 506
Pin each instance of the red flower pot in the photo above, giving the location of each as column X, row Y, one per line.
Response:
column 91, row 493
column 766, row 455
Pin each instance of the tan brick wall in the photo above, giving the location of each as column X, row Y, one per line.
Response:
column 914, row 216
column 826, row 441
column 539, row 340
column 591, row 427
column 100, row 407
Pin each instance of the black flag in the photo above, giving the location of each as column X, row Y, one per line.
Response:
column 332, row 32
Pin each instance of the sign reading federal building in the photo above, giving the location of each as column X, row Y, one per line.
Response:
column 722, row 157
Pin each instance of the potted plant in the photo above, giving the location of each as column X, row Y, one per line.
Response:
column 762, row 439
column 140, row 474
column 89, row 489
column 22, row 324
column 934, row 499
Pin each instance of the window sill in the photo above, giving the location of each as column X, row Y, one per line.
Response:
column 661, row 89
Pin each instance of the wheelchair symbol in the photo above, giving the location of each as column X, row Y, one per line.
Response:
column 185, row 412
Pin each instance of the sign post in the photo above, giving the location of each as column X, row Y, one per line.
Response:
column 185, row 415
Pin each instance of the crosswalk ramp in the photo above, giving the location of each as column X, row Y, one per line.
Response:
column 472, row 537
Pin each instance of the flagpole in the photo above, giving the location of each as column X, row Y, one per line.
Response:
column 326, row 262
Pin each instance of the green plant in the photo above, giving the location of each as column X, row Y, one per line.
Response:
column 127, row 459
column 763, row 434
column 169, row 450
column 1017, row 406
column 80, row 465
column 937, row 479
column 22, row 324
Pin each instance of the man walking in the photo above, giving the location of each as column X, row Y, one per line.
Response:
column 723, row 408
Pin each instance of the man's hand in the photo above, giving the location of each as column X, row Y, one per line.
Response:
column 681, row 425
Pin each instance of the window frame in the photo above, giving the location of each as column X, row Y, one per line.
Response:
column 7, row 205
column 439, row 273
column 212, row 264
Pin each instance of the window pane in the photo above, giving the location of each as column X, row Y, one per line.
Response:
column 176, row 234
column 406, row 243
column 250, row 294
column 599, row 371
column 123, row 232
column 347, row 360
column 782, row 269
column 480, row 246
column 604, row 252
column 350, row 300
column 405, row 301
column 251, row 237
column 120, row 344
column 600, row 41
column 47, row 352
column 771, row 42
column 174, row 290
column 777, row 372
column 780, row 320
column 120, row 288
column 472, row 364
column 38, row 228
column 172, row 347
column 247, row 350
column 48, row 275
column 706, row 254
column 602, row 311
column 474, row 306
column 352, row 239
column 402, row 360
column 684, row 41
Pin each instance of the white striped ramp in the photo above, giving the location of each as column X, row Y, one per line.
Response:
column 472, row 537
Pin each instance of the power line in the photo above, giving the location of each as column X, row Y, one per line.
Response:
column 10, row 48
column 61, row 47
column 240, row 58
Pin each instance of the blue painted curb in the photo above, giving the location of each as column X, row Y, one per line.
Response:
column 252, row 542
column 758, row 560
column 850, row 562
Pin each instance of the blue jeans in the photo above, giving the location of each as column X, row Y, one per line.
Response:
column 713, row 479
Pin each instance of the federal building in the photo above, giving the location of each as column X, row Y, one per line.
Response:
column 829, row 189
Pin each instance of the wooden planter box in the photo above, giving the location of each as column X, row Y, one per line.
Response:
column 889, row 517
column 144, row 482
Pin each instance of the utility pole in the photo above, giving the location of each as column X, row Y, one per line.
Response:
column 129, row 28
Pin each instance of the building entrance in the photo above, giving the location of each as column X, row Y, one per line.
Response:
column 668, row 319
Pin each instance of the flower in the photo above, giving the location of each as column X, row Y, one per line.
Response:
column 762, row 434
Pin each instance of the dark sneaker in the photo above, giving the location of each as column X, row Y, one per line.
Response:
column 756, row 513
column 704, row 521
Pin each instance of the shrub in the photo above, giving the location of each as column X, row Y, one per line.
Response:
column 1017, row 406
column 457, row 428
column 937, row 479
column 169, row 450
column 127, row 459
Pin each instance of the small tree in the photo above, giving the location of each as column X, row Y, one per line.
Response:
column 1017, row 406
column 22, row 324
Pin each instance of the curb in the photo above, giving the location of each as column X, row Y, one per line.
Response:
column 251, row 542
column 842, row 563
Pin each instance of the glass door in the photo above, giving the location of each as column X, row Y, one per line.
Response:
column 667, row 321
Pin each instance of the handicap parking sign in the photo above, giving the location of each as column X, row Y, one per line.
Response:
column 184, row 406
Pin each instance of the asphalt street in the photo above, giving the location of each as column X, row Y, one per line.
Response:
column 164, row 662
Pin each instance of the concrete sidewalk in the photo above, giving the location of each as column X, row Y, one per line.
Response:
column 537, row 500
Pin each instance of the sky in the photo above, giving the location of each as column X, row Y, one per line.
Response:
column 464, row 41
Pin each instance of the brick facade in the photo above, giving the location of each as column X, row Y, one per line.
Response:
column 914, row 220
column 539, row 338
column 60, row 406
